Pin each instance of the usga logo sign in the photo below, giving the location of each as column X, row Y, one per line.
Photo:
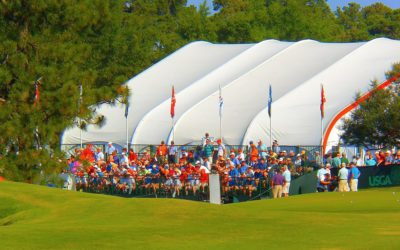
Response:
column 382, row 180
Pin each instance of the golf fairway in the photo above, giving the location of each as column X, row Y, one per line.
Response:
column 37, row 217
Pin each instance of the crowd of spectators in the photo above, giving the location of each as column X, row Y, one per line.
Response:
column 174, row 171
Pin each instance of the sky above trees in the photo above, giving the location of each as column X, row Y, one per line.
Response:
column 394, row 4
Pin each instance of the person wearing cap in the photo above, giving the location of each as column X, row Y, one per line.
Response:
column 275, row 147
column 321, row 177
column 233, row 159
column 99, row 156
column 206, row 138
column 354, row 175
column 287, row 176
column 124, row 157
column 388, row 157
column 321, row 172
column 324, row 182
column 299, row 161
column 277, row 184
column 343, row 176
column 328, row 168
column 221, row 148
column 240, row 155
column 111, row 148
column 233, row 175
column 358, row 161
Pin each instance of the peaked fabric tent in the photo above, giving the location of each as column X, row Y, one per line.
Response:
column 244, row 72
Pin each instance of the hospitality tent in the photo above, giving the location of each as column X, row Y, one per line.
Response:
column 295, row 71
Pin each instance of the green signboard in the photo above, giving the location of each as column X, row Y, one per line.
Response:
column 371, row 177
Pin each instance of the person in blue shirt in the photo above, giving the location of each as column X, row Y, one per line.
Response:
column 111, row 148
column 155, row 178
column 370, row 161
column 234, row 160
column 396, row 159
column 354, row 176
column 262, row 165
column 233, row 175
column 258, row 175
column 243, row 168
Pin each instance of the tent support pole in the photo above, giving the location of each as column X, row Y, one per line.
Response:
column 322, row 136
column 270, row 132
column 127, row 132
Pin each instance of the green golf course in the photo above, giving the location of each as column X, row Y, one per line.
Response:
column 37, row 217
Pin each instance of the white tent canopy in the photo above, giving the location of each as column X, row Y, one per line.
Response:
column 244, row 72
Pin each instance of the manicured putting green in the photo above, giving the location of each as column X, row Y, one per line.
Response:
column 35, row 217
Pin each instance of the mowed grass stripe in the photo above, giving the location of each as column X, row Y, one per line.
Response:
column 44, row 218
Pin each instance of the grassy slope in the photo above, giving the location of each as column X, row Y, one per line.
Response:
column 39, row 217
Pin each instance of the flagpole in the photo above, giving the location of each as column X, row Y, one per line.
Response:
column 322, row 135
column 80, row 119
column 220, row 127
column 221, row 103
column 173, row 129
column 322, row 109
column 127, row 130
column 270, row 115
column 270, row 132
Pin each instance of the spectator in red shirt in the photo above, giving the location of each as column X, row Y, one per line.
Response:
column 162, row 152
column 253, row 153
column 132, row 156
column 380, row 158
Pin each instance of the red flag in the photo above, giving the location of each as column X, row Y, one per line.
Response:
column 37, row 94
column 173, row 101
column 323, row 100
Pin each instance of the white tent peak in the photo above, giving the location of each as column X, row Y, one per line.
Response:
column 295, row 70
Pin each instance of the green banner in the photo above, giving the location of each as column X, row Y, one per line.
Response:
column 370, row 177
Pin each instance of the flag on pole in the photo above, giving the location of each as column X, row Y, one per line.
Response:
column 221, row 102
column 126, row 109
column 323, row 100
column 270, row 101
column 173, row 102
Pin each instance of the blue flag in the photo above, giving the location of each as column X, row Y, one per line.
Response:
column 270, row 101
